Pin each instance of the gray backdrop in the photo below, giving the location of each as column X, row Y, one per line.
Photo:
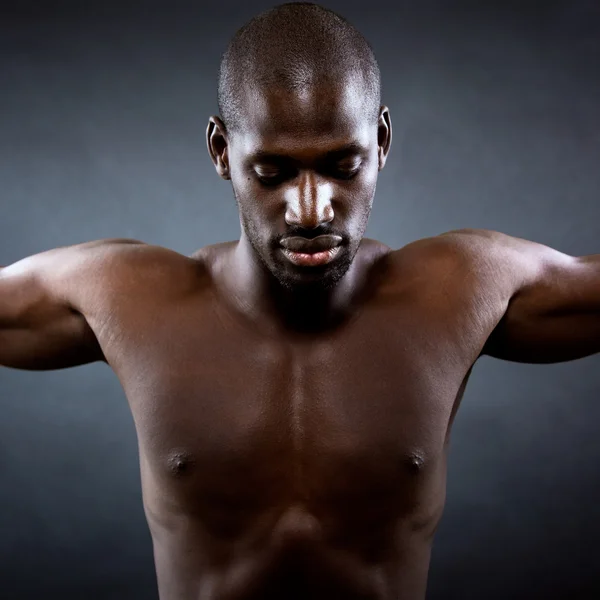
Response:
column 496, row 114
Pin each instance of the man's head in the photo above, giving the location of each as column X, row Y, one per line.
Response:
column 302, row 137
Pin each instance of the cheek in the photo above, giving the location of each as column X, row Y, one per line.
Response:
column 255, row 203
column 369, row 180
column 254, row 212
column 364, row 190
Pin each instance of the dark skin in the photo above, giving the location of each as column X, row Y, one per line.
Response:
column 293, row 422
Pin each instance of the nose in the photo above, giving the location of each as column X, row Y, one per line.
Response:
column 308, row 203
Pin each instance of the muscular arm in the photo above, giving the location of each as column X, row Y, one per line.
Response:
column 42, row 297
column 553, row 299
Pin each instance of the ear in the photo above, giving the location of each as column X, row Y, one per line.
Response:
column 216, row 141
column 384, row 135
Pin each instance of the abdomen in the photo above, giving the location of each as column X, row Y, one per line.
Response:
column 291, row 560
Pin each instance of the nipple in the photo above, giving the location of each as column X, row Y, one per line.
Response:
column 179, row 463
column 415, row 461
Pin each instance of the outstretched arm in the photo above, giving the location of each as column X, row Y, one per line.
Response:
column 553, row 299
column 41, row 298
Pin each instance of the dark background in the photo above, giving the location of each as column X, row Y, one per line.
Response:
column 496, row 114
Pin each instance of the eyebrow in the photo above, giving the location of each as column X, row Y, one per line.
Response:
column 340, row 152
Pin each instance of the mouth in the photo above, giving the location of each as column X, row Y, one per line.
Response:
column 314, row 252
column 314, row 259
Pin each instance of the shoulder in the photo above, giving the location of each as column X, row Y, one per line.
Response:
column 453, row 278
column 444, row 252
column 489, row 264
column 465, row 264
column 132, row 260
column 102, row 271
column 511, row 262
column 476, row 250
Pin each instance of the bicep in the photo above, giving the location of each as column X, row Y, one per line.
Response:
column 555, row 315
column 61, row 340
column 41, row 326
column 546, row 303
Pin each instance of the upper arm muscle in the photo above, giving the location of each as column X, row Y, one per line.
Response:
column 41, row 298
column 552, row 299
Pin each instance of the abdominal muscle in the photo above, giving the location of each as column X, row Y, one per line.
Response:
column 285, row 555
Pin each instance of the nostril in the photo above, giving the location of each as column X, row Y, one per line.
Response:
column 309, row 219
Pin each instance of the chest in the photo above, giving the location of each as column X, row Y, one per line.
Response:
column 362, row 410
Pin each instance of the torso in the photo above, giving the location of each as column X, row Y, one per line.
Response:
column 301, row 466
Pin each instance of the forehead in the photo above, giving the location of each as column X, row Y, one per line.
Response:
column 318, row 117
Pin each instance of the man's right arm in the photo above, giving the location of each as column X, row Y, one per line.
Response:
column 42, row 325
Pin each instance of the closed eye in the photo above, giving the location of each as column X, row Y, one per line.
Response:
column 271, row 178
column 346, row 173
column 275, row 177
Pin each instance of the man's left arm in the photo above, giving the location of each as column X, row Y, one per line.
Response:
column 553, row 299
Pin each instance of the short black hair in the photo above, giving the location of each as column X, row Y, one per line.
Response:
column 293, row 46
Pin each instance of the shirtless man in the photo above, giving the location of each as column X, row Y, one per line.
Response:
column 293, row 391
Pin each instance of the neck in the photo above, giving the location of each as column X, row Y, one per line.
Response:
column 263, row 299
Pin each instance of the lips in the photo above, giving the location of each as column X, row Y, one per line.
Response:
column 315, row 252
column 303, row 245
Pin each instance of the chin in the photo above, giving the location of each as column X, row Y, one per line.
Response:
column 312, row 279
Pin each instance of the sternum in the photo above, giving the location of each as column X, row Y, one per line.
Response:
column 297, row 404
